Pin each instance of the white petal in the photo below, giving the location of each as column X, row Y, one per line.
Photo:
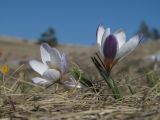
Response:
column 128, row 47
column 52, row 75
column 157, row 58
column 154, row 58
column 105, row 35
column 44, row 48
column 38, row 66
column 41, row 81
column 72, row 83
column 64, row 64
column 121, row 37
column 100, row 32
column 55, row 57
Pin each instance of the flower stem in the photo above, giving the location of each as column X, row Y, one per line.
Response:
column 107, row 77
column 114, row 88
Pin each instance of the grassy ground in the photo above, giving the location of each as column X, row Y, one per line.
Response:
column 22, row 100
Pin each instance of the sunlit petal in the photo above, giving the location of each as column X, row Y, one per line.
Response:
column 41, row 81
column 154, row 58
column 38, row 66
column 121, row 37
column 64, row 64
column 52, row 55
column 72, row 83
column 104, row 37
column 55, row 59
column 44, row 48
column 128, row 47
column 51, row 75
column 99, row 34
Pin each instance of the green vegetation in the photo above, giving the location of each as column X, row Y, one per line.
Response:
column 106, row 76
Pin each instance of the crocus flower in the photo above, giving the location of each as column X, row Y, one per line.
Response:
column 154, row 57
column 52, row 68
column 113, row 46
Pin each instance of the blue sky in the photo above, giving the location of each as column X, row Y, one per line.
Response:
column 75, row 21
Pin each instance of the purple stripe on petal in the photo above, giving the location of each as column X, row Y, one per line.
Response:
column 110, row 47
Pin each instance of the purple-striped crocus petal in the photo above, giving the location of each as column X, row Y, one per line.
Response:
column 110, row 47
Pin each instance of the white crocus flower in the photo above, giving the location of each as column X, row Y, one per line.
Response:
column 153, row 57
column 113, row 46
column 52, row 68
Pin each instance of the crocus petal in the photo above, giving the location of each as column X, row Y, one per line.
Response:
column 99, row 34
column 104, row 37
column 38, row 66
column 110, row 47
column 121, row 37
column 64, row 64
column 128, row 47
column 41, row 81
column 55, row 57
column 154, row 58
column 44, row 53
column 51, row 75
column 72, row 83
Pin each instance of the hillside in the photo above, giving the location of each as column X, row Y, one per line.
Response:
column 50, row 104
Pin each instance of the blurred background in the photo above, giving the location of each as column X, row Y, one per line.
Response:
column 76, row 21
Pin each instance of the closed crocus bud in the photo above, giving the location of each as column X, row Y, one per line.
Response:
column 113, row 46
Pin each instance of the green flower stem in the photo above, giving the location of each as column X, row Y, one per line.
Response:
column 114, row 88
column 106, row 75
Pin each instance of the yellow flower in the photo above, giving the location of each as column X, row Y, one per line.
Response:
column 4, row 69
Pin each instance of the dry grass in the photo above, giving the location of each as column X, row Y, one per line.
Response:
column 22, row 100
